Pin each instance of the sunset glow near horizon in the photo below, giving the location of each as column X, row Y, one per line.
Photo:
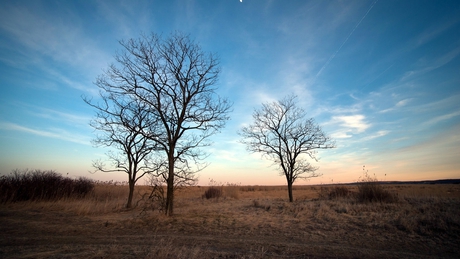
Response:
column 382, row 78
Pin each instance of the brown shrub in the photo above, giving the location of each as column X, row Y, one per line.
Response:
column 213, row 192
column 338, row 192
column 370, row 190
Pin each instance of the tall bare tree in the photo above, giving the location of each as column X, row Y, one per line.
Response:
column 120, row 122
column 282, row 133
column 175, row 80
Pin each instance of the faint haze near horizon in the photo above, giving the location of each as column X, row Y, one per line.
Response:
column 381, row 77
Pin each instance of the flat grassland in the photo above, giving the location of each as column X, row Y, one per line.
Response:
column 246, row 222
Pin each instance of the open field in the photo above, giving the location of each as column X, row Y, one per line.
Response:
column 246, row 222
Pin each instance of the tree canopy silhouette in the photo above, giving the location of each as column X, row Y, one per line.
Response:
column 282, row 133
column 173, row 80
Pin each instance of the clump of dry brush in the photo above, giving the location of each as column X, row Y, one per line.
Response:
column 338, row 192
column 213, row 193
column 217, row 190
column 369, row 190
column 41, row 185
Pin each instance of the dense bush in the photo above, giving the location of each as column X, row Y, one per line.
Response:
column 41, row 185
column 370, row 190
column 338, row 192
column 213, row 192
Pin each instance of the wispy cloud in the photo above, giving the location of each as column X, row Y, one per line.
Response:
column 434, row 31
column 64, row 40
column 68, row 118
column 295, row 79
column 226, row 155
column 126, row 18
column 345, row 41
column 349, row 125
column 429, row 64
column 438, row 153
column 354, row 122
column 339, row 110
column 52, row 115
column 399, row 104
column 403, row 102
column 378, row 134
column 441, row 118
column 450, row 102
column 340, row 135
column 52, row 133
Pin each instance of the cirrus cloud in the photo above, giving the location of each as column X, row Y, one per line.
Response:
column 356, row 123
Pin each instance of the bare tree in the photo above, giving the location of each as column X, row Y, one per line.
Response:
column 282, row 133
column 120, row 122
column 175, row 80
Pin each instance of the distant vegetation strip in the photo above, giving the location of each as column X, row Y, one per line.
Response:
column 42, row 185
column 442, row 181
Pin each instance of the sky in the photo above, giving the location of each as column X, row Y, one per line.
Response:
column 382, row 78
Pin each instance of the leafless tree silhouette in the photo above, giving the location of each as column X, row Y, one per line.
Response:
column 281, row 132
column 120, row 122
column 174, row 82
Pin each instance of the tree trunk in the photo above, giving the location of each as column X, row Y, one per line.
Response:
column 131, row 192
column 291, row 198
column 170, row 187
column 170, row 197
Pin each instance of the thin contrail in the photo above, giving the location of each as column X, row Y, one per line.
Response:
column 345, row 41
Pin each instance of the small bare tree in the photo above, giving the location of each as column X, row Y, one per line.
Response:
column 282, row 133
column 174, row 79
column 121, row 122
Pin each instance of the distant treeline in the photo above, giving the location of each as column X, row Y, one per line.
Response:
column 443, row 181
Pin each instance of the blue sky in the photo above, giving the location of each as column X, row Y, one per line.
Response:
column 381, row 77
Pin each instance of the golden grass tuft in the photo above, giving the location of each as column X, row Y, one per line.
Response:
column 232, row 191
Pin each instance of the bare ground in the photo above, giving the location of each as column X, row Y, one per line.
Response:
column 256, row 225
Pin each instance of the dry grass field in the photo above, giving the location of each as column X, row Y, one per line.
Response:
column 246, row 222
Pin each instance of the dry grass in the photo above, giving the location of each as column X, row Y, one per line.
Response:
column 246, row 222
column 38, row 185
column 104, row 199
column 232, row 191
